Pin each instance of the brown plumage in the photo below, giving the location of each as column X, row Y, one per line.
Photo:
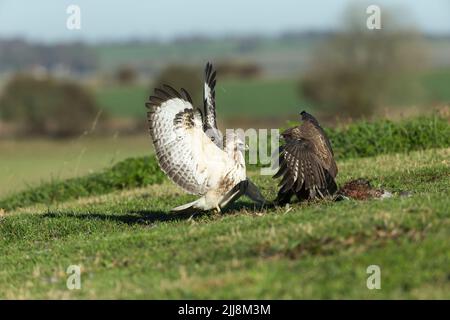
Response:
column 306, row 162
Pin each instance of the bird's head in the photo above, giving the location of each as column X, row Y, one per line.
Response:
column 305, row 115
column 216, row 137
column 287, row 134
column 236, row 143
column 235, row 146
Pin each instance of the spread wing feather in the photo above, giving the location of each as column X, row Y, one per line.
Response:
column 311, row 129
column 183, row 150
column 299, row 166
column 209, row 104
column 306, row 162
column 209, row 97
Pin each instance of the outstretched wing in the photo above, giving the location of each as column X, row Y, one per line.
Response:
column 300, row 165
column 311, row 130
column 183, row 150
column 209, row 104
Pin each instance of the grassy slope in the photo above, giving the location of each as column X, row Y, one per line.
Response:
column 25, row 163
column 130, row 247
column 362, row 139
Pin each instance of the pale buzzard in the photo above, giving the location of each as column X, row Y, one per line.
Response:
column 190, row 149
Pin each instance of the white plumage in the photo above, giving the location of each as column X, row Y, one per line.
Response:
column 189, row 156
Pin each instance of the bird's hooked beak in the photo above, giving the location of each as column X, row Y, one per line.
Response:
column 286, row 134
column 302, row 115
column 242, row 147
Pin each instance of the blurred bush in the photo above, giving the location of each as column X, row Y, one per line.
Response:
column 182, row 76
column 191, row 77
column 126, row 75
column 242, row 70
column 355, row 71
column 47, row 106
column 368, row 139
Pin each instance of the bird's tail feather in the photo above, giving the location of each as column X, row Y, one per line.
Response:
column 254, row 194
column 233, row 195
column 197, row 204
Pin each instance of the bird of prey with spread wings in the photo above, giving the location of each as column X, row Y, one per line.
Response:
column 193, row 153
column 306, row 162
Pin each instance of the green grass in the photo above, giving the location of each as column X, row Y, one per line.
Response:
column 129, row 246
column 363, row 139
column 29, row 163
column 368, row 139
column 130, row 173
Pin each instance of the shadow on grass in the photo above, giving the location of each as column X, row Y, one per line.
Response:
column 247, row 206
column 133, row 217
column 150, row 216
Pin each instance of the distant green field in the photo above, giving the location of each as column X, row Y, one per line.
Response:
column 153, row 56
column 265, row 98
column 123, row 101
column 437, row 85
column 29, row 162
column 247, row 98
column 258, row 98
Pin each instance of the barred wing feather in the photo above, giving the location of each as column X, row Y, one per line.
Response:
column 184, row 152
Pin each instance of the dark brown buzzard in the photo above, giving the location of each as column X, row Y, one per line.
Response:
column 306, row 163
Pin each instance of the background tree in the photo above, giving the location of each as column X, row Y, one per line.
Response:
column 236, row 69
column 183, row 76
column 126, row 75
column 357, row 69
column 47, row 107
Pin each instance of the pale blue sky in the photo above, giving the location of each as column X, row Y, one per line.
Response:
column 45, row 20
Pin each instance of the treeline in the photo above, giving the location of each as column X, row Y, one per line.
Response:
column 47, row 106
column 20, row 55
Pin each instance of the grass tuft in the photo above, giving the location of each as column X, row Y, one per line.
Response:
column 368, row 139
